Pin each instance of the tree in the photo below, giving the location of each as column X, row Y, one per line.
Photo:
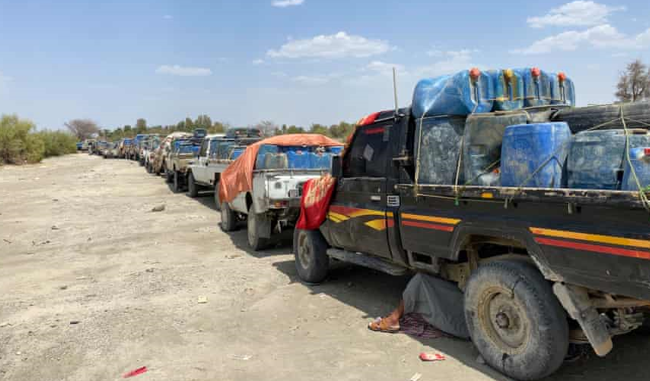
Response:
column 634, row 83
column 319, row 129
column 189, row 124
column 203, row 121
column 140, row 126
column 82, row 128
column 268, row 127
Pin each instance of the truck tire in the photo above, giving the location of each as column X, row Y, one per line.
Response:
column 192, row 188
column 217, row 199
column 515, row 320
column 168, row 176
column 310, row 252
column 148, row 168
column 177, row 186
column 228, row 218
column 256, row 242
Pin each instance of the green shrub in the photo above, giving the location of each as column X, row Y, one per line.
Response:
column 19, row 143
column 58, row 143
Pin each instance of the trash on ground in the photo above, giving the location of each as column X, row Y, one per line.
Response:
column 432, row 357
column 202, row 299
column 158, row 208
column 416, row 377
column 135, row 372
column 241, row 357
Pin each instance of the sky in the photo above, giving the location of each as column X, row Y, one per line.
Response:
column 290, row 61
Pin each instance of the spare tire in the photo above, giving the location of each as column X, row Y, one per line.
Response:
column 584, row 118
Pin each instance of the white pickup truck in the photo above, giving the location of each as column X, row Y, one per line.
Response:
column 215, row 154
column 273, row 204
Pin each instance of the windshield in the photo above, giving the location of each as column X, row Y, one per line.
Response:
column 188, row 149
column 280, row 157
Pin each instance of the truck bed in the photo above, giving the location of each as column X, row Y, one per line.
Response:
column 592, row 238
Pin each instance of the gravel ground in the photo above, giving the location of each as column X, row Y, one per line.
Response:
column 94, row 284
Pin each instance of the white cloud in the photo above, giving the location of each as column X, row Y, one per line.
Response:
column 601, row 36
column 310, row 80
column 168, row 17
column 184, row 71
column 286, row 3
column 384, row 68
column 258, row 62
column 449, row 62
column 576, row 13
column 339, row 45
column 279, row 74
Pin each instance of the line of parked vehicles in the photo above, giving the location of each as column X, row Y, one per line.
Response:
column 540, row 266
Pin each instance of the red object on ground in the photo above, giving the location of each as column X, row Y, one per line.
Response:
column 238, row 177
column 316, row 196
column 135, row 372
column 432, row 357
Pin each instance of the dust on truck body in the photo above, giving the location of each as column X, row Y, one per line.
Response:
column 537, row 265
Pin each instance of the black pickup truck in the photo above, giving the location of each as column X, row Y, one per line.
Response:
column 539, row 268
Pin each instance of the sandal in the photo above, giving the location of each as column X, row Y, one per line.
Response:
column 380, row 325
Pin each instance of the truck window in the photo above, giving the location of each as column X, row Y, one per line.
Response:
column 213, row 148
column 368, row 153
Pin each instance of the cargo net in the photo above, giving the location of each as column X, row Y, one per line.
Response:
column 459, row 188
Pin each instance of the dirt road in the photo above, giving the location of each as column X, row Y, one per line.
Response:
column 94, row 284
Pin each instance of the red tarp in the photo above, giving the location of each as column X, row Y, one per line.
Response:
column 238, row 177
column 316, row 196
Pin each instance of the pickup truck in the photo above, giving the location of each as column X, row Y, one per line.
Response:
column 273, row 202
column 181, row 154
column 159, row 155
column 149, row 145
column 538, row 266
column 216, row 153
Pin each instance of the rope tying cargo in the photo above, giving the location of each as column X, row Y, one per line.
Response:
column 642, row 195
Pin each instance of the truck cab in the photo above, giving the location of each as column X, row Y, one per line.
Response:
column 212, row 159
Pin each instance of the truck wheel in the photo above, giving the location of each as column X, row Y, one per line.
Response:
column 515, row 320
column 310, row 251
column 148, row 168
column 256, row 242
column 176, row 185
column 217, row 199
column 168, row 176
column 228, row 218
column 192, row 189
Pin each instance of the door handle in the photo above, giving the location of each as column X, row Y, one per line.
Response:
column 375, row 198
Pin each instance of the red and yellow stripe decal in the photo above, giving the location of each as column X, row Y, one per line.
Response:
column 620, row 246
column 429, row 222
column 338, row 214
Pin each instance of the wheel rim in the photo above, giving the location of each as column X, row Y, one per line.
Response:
column 502, row 317
column 304, row 251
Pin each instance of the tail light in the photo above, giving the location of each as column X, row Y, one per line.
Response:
column 646, row 152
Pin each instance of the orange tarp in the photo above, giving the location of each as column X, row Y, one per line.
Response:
column 238, row 177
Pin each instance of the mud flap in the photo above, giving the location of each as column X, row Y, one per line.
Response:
column 263, row 226
column 575, row 301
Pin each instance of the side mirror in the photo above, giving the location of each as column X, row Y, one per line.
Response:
column 337, row 168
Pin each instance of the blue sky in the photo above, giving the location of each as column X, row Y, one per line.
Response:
column 290, row 61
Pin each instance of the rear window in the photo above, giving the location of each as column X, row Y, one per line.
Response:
column 309, row 157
